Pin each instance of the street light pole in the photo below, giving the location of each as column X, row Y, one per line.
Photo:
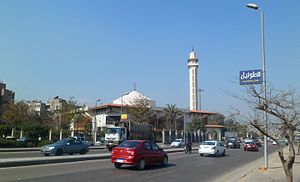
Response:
column 255, row 7
column 126, row 93
column 94, row 127
column 200, row 90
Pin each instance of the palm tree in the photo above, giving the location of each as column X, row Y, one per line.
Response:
column 171, row 112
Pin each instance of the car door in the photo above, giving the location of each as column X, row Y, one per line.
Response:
column 69, row 146
column 156, row 153
column 148, row 154
column 221, row 147
column 77, row 146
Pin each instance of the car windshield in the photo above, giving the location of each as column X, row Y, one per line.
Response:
column 249, row 143
column 113, row 130
column 129, row 144
column 208, row 143
column 177, row 140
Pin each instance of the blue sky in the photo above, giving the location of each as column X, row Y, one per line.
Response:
column 99, row 49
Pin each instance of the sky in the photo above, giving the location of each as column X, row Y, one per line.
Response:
column 100, row 49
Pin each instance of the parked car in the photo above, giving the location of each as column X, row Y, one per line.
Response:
column 233, row 144
column 250, row 146
column 212, row 148
column 66, row 145
column 139, row 153
column 178, row 143
column 25, row 140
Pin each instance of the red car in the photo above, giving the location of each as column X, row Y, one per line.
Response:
column 250, row 146
column 138, row 153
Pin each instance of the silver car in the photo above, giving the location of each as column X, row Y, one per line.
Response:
column 66, row 145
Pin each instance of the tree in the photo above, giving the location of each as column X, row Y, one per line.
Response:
column 171, row 113
column 232, row 125
column 70, row 113
column 34, row 130
column 215, row 119
column 283, row 112
column 16, row 113
column 197, row 124
column 139, row 111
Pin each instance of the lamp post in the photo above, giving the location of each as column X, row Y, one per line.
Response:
column 126, row 93
column 94, row 127
column 184, row 127
column 256, row 7
column 200, row 90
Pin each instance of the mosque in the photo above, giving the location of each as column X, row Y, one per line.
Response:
column 109, row 114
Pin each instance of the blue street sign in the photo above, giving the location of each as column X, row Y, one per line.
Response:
column 249, row 77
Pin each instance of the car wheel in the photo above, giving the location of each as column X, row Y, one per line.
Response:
column 164, row 162
column 59, row 152
column 117, row 165
column 141, row 164
column 82, row 151
column 46, row 154
column 201, row 155
column 224, row 153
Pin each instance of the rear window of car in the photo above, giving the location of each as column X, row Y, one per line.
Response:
column 129, row 144
column 208, row 143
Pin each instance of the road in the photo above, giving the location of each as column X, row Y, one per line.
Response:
column 181, row 167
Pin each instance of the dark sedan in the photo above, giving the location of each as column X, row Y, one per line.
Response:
column 233, row 144
column 66, row 145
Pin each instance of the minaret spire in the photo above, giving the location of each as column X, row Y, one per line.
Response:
column 193, row 79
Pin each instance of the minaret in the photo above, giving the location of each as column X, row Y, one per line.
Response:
column 193, row 77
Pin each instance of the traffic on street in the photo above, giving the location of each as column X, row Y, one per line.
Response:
column 180, row 167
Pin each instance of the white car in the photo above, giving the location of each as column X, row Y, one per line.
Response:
column 212, row 147
column 178, row 143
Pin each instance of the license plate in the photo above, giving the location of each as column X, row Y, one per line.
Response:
column 120, row 160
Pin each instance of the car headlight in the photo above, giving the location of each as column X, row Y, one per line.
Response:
column 51, row 148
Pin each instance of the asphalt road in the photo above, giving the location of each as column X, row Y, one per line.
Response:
column 181, row 167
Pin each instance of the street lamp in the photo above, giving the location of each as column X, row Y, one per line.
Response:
column 255, row 7
column 94, row 127
column 200, row 90
column 126, row 93
column 184, row 122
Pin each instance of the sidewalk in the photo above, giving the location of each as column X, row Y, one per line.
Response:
column 275, row 173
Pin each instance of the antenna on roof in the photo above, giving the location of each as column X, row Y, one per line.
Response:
column 134, row 87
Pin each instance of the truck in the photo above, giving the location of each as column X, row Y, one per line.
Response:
column 115, row 134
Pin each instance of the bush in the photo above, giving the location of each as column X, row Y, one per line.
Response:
column 8, row 142
column 5, row 130
column 44, row 142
